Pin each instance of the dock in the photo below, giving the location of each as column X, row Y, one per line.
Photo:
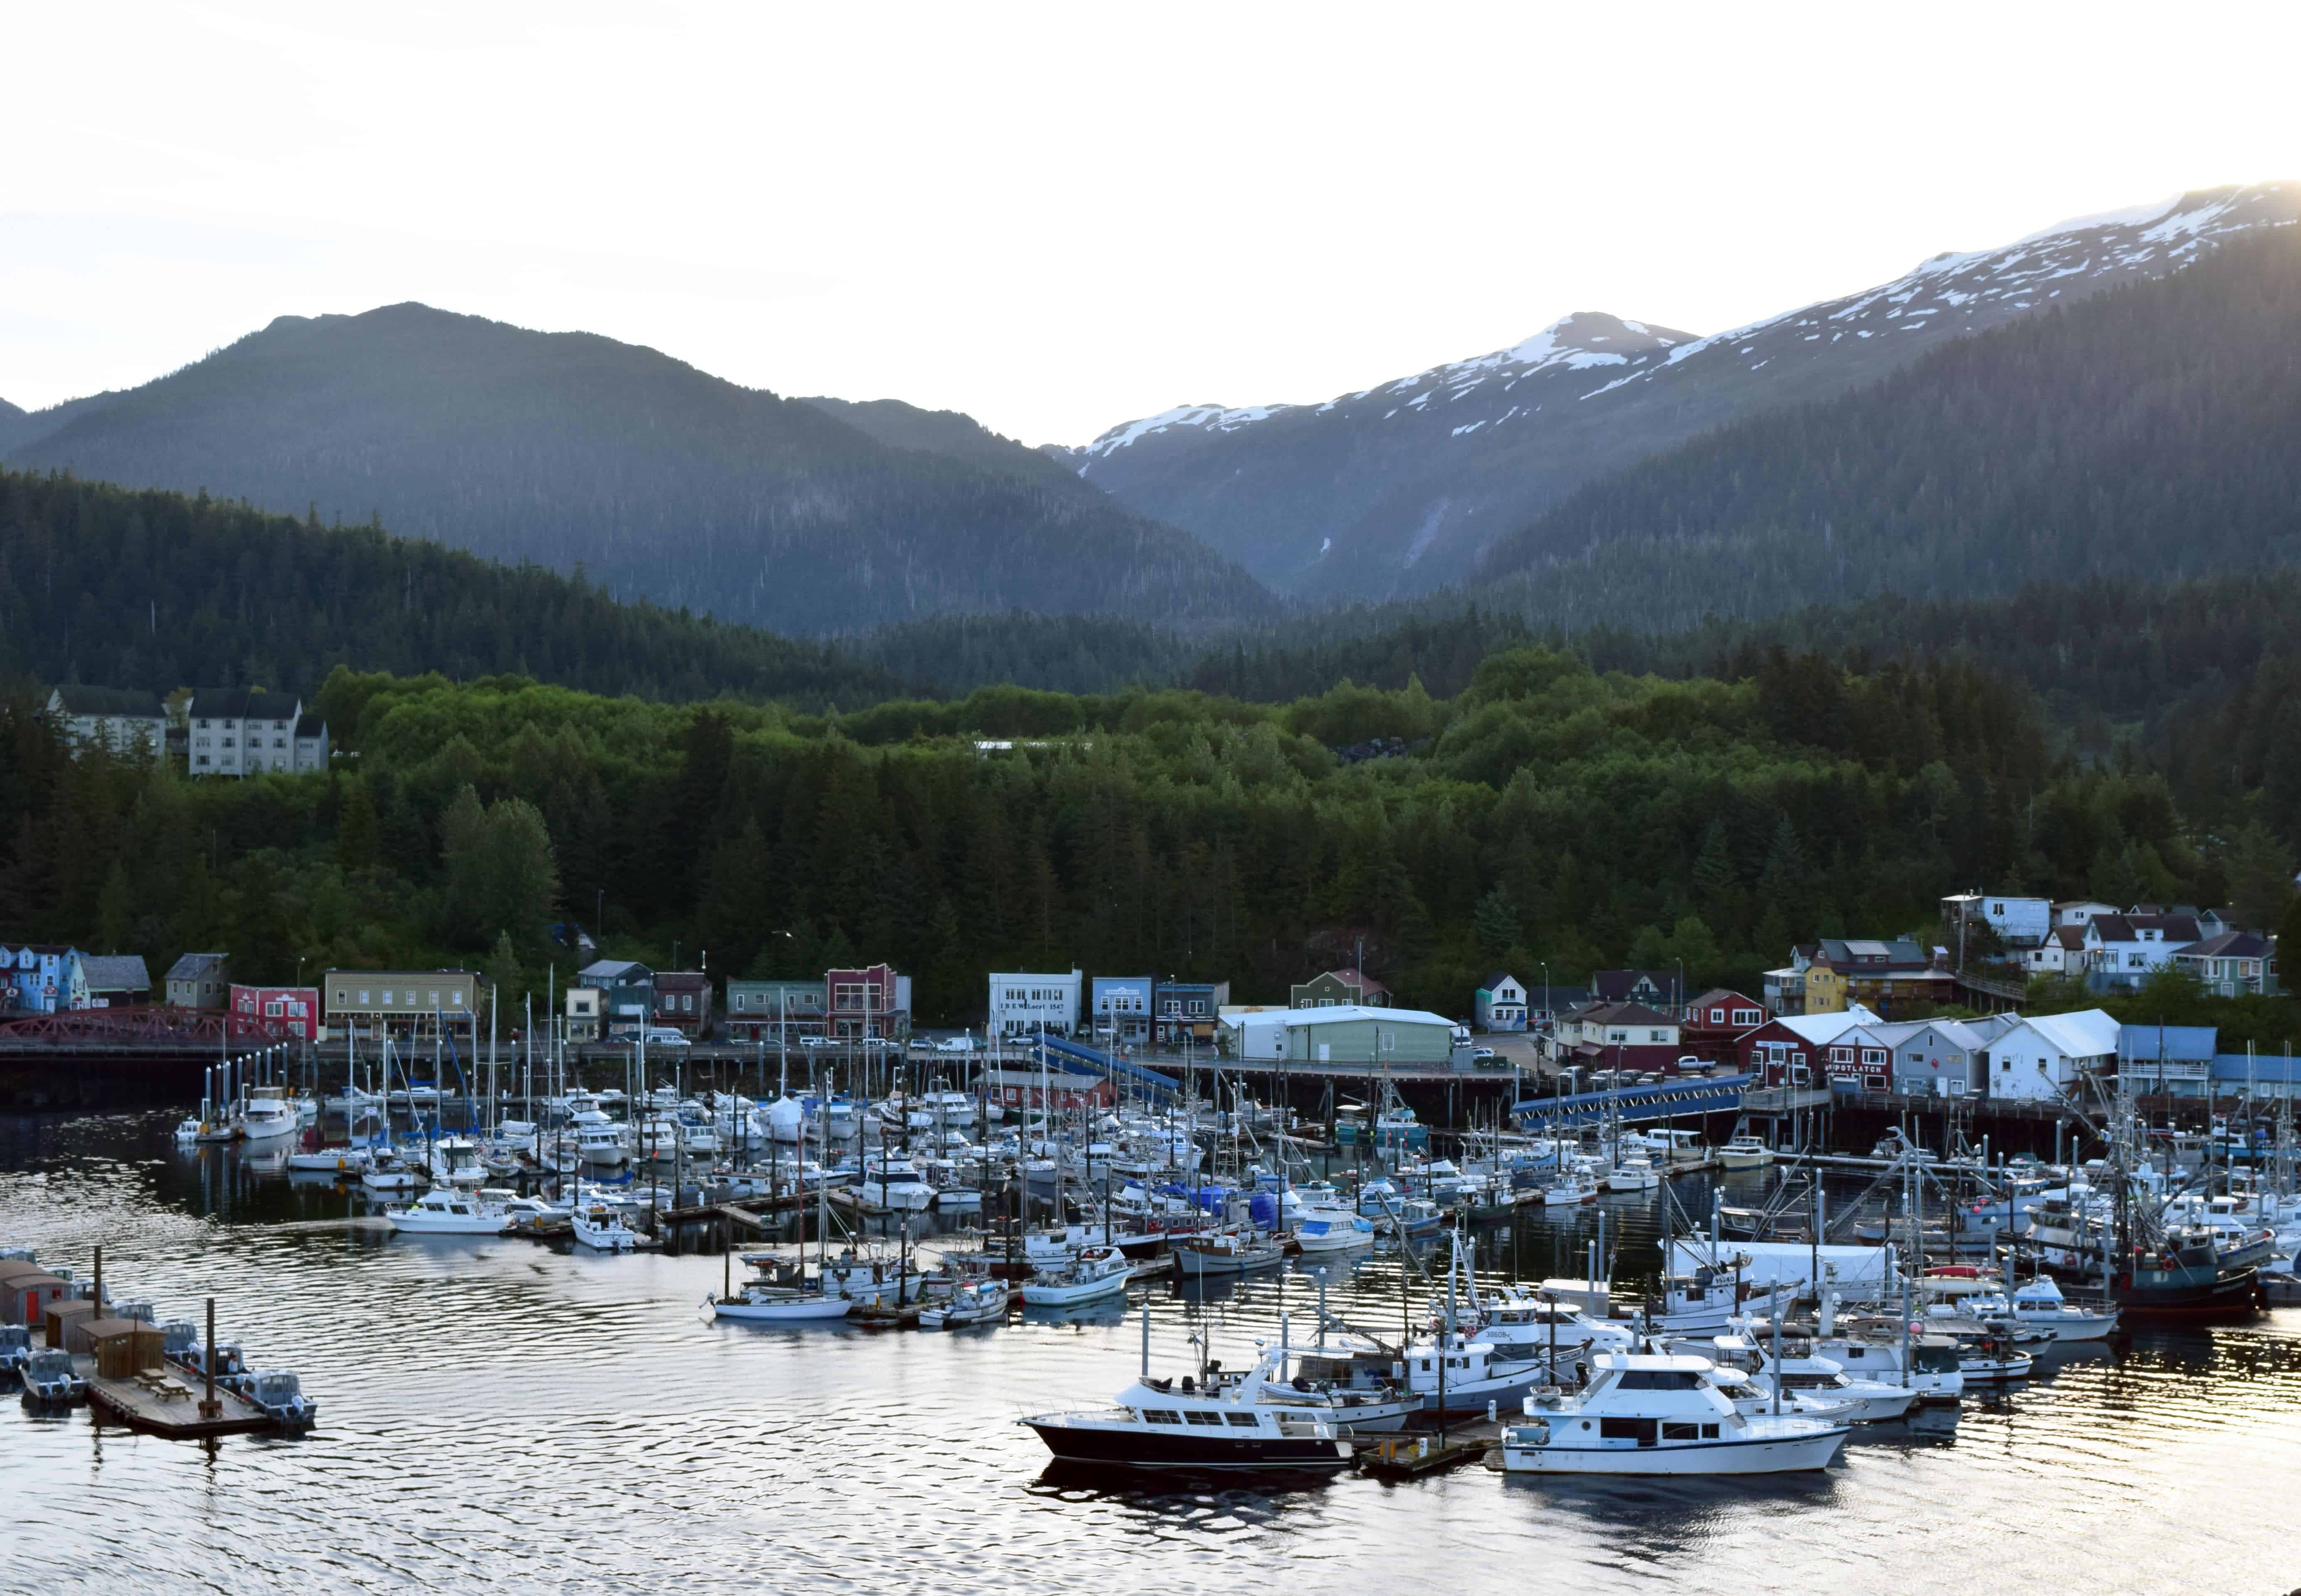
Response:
column 1414, row 1454
column 165, row 1403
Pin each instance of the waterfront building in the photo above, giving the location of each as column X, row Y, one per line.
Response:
column 200, row 980
column 116, row 980
column 404, row 1003
column 294, row 1010
column 867, row 1002
column 1186, row 1012
column 626, row 994
column 1022, row 1004
column 1121, row 1008
column 1350, row 1034
column 776, row 1010
column 683, row 1002
column 45, row 977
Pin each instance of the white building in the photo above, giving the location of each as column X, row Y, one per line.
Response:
column 1346, row 1033
column 2127, row 950
column 1021, row 1004
column 246, row 733
column 2062, row 953
column 117, row 718
column 1501, row 1003
column 2077, row 911
column 2037, row 1060
column 2019, row 921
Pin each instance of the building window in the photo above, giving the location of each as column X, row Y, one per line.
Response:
column 1659, row 1036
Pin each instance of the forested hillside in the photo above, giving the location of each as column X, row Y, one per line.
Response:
column 158, row 590
column 662, row 482
column 1546, row 814
column 2144, row 432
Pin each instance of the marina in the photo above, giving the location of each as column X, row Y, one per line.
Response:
column 601, row 1359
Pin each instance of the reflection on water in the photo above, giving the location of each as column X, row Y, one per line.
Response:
column 496, row 1414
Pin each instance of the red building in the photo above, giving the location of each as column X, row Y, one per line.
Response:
column 1716, row 1020
column 874, row 1001
column 292, row 1011
column 683, row 1002
column 1063, row 1091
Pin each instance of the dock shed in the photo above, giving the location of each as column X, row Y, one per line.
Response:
column 122, row 1347
column 26, row 1289
column 63, row 1314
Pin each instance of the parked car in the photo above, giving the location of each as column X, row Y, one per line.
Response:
column 961, row 1043
column 1484, row 1059
column 664, row 1036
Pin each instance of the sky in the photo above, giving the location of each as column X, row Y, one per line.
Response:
column 1060, row 218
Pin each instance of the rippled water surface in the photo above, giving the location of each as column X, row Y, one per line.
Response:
column 499, row 1414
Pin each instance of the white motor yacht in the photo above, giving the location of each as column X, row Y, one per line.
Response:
column 331, row 1160
column 1745, row 1152
column 1333, row 1230
column 445, row 1212
column 268, row 1115
column 891, row 1184
column 1096, row 1272
column 1220, row 1425
column 1655, row 1415
column 455, row 1161
column 387, row 1173
column 597, row 1225
column 1634, row 1173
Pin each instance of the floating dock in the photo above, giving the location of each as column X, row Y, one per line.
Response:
column 165, row 1402
column 1412, row 1456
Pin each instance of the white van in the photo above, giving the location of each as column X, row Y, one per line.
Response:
column 664, row 1036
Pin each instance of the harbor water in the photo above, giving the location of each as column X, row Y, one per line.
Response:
column 504, row 1415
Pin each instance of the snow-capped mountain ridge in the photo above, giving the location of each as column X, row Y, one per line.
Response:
column 1397, row 487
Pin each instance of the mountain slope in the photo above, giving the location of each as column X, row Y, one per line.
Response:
column 662, row 481
column 954, row 435
column 2144, row 432
column 1397, row 490
column 159, row 590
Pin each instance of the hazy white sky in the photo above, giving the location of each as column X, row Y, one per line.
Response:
column 1058, row 218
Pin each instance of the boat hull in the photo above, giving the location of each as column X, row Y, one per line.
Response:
column 2234, row 1295
column 1133, row 1448
column 1767, row 1455
column 797, row 1311
column 1070, row 1295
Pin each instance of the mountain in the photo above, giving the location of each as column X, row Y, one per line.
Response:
column 160, row 590
column 954, row 435
column 2143, row 431
column 1398, row 488
column 659, row 480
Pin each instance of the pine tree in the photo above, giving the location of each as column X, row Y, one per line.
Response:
column 1495, row 921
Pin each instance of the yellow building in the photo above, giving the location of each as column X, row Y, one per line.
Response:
column 1825, row 988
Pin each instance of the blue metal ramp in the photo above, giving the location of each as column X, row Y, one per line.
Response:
column 1718, row 1094
column 1118, row 1071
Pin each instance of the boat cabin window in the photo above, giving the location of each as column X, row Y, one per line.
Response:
column 1660, row 1380
column 1161, row 1415
column 1670, row 1431
column 1640, row 1430
column 1199, row 1417
column 1241, row 1421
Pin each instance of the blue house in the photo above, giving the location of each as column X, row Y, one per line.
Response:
column 626, row 994
column 1120, row 1007
column 2166, row 1060
column 44, row 977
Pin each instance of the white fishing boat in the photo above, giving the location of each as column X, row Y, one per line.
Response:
column 1225, row 1252
column 1645, row 1414
column 188, row 1132
column 443, row 1211
column 2040, row 1305
column 1096, row 1272
column 596, row 1226
column 970, row 1302
column 1745, row 1152
column 1333, row 1230
column 1811, row 1384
